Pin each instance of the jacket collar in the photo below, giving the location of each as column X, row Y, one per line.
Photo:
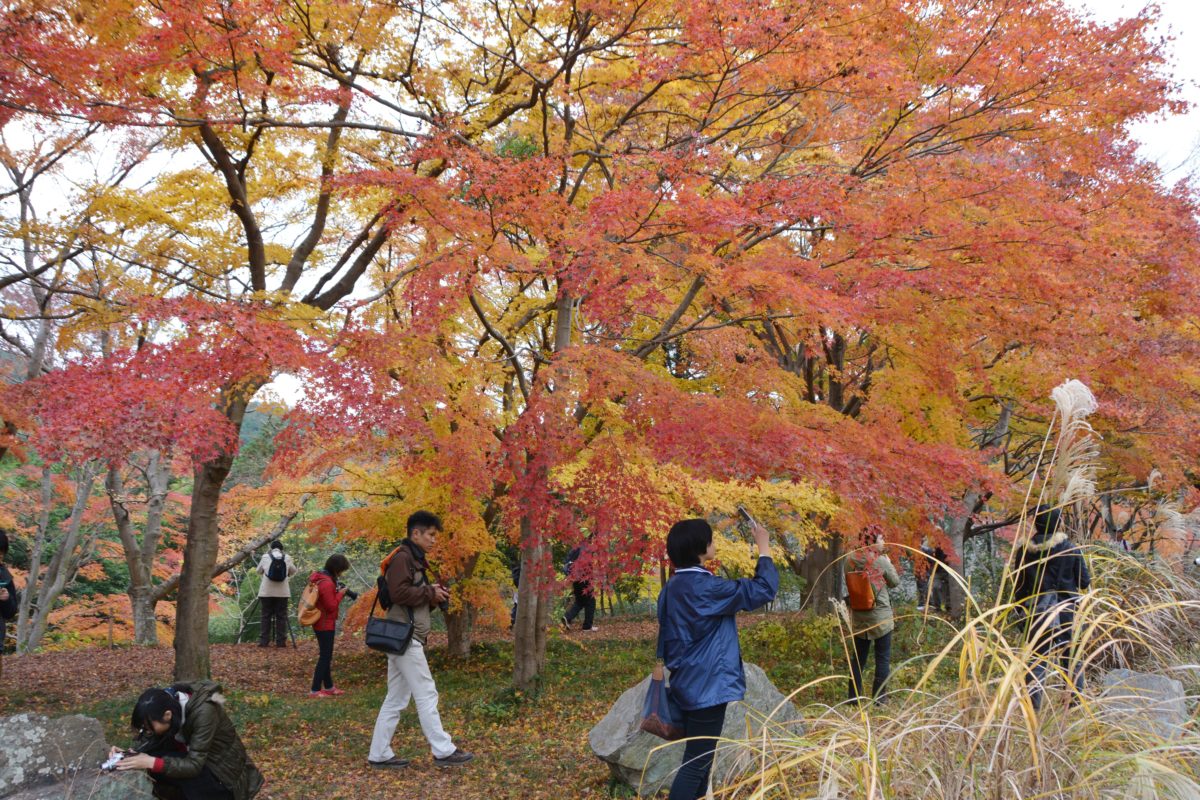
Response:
column 1043, row 545
column 418, row 553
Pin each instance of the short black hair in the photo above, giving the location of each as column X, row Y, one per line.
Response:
column 3, row 541
column 687, row 542
column 275, row 543
column 1046, row 520
column 152, row 706
column 336, row 564
column 423, row 519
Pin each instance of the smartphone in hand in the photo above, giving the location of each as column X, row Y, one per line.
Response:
column 747, row 523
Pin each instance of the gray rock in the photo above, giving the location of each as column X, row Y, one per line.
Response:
column 57, row 759
column 92, row 784
column 648, row 763
column 1153, row 703
column 37, row 750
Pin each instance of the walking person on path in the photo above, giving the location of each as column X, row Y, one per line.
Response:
column 581, row 591
column 408, row 674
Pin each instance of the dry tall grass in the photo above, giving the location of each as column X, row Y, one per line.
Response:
column 976, row 736
column 979, row 737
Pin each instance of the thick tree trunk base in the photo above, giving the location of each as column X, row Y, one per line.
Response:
column 145, row 625
column 459, row 627
column 822, row 573
column 533, row 611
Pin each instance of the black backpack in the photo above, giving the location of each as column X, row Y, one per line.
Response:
column 382, row 594
column 278, row 569
column 572, row 557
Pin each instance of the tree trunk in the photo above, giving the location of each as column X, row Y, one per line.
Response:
column 460, row 623
column 64, row 562
column 822, row 573
column 533, row 595
column 533, row 611
column 35, row 557
column 955, row 528
column 139, row 556
column 145, row 620
column 200, row 554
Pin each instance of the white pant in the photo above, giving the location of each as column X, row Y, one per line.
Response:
column 409, row 676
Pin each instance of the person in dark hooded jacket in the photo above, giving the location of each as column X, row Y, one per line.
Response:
column 189, row 746
column 1050, row 572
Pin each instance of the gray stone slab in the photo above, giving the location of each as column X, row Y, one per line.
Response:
column 648, row 763
column 1154, row 703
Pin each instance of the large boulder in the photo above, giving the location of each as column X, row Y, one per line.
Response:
column 92, row 784
column 43, row 758
column 648, row 764
column 1153, row 703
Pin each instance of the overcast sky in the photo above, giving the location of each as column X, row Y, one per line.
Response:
column 1173, row 142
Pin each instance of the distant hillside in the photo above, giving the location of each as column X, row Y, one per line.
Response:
column 257, row 418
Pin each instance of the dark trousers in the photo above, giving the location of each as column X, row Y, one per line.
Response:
column 1062, row 643
column 274, row 615
column 939, row 590
column 1053, row 631
column 204, row 786
column 691, row 781
column 585, row 601
column 323, row 674
column 883, row 664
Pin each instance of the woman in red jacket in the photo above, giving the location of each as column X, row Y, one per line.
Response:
column 329, row 597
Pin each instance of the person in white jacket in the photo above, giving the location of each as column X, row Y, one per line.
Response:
column 273, row 594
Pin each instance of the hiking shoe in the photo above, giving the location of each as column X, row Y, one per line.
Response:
column 395, row 762
column 566, row 626
column 454, row 759
column 592, row 629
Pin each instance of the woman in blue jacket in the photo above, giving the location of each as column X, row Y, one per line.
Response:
column 698, row 641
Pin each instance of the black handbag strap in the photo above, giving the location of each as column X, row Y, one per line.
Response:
column 375, row 602
column 662, row 612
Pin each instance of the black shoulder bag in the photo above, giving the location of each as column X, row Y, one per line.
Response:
column 389, row 636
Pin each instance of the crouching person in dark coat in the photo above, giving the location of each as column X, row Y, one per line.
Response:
column 189, row 745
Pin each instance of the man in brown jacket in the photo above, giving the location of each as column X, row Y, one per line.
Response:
column 408, row 674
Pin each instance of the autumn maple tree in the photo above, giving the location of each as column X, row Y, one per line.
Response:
column 563, row 269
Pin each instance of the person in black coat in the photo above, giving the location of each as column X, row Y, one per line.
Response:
column 10, row 598
column 1050, row 573
column 581, row 590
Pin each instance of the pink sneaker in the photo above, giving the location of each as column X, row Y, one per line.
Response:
column 318, row 694
column 334, row 691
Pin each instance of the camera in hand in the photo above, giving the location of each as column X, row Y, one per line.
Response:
column 353, row 595
column 111, row 762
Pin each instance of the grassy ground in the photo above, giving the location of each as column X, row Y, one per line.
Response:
column 526, row 747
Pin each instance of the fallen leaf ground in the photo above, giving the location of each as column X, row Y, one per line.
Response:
column 533, row 748
column 525, row 747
